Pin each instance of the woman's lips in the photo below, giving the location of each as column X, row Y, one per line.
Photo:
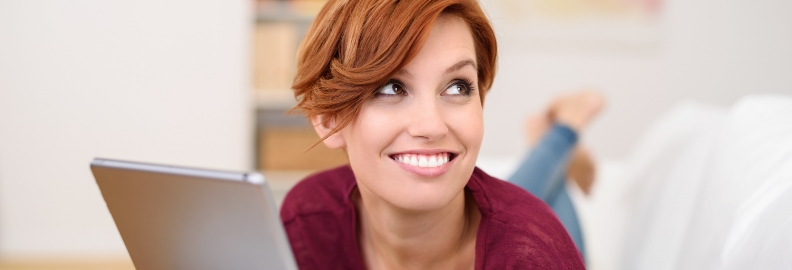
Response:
column 425, row 164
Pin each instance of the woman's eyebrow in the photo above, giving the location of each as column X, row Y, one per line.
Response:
column 460, row 65
column 405, row 73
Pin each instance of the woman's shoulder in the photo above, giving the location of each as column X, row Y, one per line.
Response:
column 506, row 200
column 519, row 230
column 319, row 220
column 322, row 192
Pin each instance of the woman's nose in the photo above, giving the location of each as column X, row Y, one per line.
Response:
column 427, row 121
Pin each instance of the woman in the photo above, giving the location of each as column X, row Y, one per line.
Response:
column 400, row 85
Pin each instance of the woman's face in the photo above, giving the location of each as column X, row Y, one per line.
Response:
column 415, row 144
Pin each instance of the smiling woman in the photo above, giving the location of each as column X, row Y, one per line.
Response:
column 428, row 109
column 400, row 85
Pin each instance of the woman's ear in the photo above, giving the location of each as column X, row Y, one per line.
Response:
column 323, row 126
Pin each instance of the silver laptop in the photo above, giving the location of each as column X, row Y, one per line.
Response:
column 183, row 218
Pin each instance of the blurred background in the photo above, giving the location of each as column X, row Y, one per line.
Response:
column 206, row 83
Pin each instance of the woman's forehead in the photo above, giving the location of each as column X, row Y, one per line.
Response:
column 448, row 48
column 453, row 68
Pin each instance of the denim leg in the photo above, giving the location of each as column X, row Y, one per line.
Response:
column 543, row 173
column 565, row 210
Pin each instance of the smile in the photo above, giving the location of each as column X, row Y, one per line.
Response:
column 424, row 161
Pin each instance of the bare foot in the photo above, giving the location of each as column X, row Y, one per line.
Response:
column 536, row 125
column 582, row 169
column 576, row 110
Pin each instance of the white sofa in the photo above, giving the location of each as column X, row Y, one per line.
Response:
column 705, row 188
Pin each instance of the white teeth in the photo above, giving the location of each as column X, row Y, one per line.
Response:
column 425, row 161
column 432, row 161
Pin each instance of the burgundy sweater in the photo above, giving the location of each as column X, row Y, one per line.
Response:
column 517, row 230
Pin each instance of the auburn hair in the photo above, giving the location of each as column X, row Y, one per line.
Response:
column 354, row 47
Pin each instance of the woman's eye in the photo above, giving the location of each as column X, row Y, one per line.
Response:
column 391, row 89
column 459, row 88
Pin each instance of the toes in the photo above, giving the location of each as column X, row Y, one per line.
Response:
column 536, row 125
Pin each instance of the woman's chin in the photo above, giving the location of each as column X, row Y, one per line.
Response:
column 419, row 190
column 424, row 200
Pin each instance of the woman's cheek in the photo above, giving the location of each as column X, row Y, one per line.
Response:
column 374, row 130
column 468, row 124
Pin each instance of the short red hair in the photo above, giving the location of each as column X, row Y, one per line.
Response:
column 354, row 47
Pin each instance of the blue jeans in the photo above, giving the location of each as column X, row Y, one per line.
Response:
column 543, row 173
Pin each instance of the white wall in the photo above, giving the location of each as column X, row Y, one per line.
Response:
column 148, row 80
column 709, row 51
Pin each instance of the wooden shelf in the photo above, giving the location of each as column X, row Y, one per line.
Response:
column 280, row 99
column 66, row 265
column 299, row 12
column 269, row 16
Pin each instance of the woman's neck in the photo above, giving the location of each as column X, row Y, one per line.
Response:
column 394, row 238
